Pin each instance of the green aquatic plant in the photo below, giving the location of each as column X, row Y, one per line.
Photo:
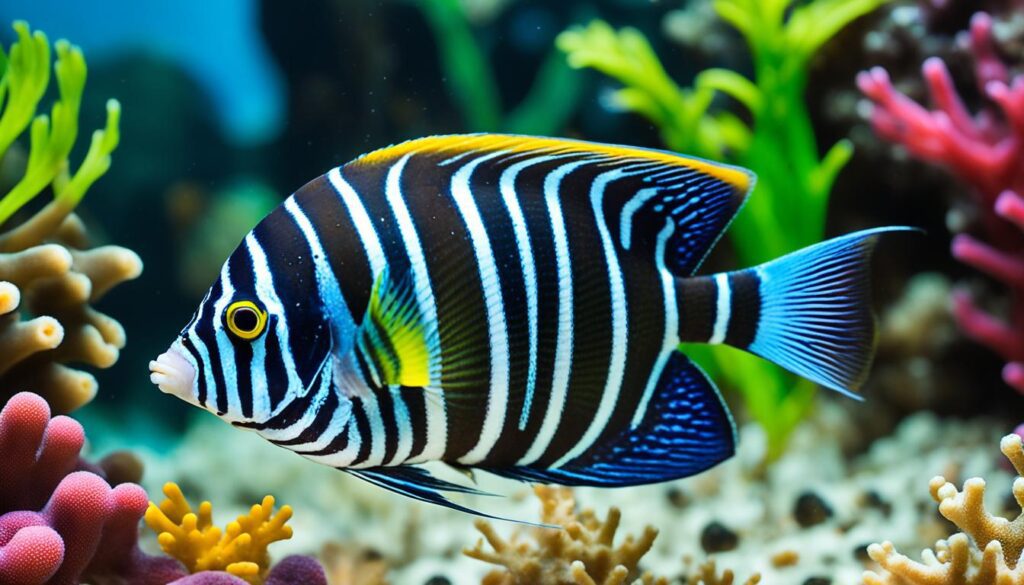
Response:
column 24, row 77
column 787, row 209
column 544, row 110
column 49, row 277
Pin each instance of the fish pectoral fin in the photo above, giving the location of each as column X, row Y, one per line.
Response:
column 681, row 428
column 401, row 347
column 420, row 484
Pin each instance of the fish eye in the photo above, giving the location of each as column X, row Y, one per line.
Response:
column 245, row 319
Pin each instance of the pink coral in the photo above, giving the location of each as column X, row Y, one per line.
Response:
column 61, row 523
column 985, row 150
column 58, row 525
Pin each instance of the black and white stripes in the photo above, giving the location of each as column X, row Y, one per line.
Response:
column 543, row 269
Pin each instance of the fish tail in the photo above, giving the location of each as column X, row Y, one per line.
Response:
column 809, row 311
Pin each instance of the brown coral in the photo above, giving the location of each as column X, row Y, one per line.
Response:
column 582, row 553
column 49, row 279
column 986, row 552
column 351, row 564
column 707, row 574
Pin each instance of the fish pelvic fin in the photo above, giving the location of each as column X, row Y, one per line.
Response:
column 809, row 311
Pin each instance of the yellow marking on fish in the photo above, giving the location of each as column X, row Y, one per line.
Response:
column 456, row 144
column 404, row 338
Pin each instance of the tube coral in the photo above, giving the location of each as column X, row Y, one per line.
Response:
column 985, row 151
column 61, row 522
column 582, row 553
column 62, row 526
column 986, row 552
column 240, row 549
column 48, row 279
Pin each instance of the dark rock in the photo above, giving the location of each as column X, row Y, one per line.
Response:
column 818, row 581
column 811, row 510
column 438, row 580
column 716, row 537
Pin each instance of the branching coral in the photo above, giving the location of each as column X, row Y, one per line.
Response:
column 240, row 549
column 582, row 553
column 986, row 151
column 707, row 574
column 988, row 550
column 48, row 280
column 787, row 209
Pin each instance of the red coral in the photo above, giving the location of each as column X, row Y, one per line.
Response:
column 986, row 151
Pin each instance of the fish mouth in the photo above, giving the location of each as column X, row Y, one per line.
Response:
column 173, row 374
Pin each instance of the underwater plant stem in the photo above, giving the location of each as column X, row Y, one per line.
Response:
column 472, row 81
column 51, row 137
column 551, row 101
column 25, row 77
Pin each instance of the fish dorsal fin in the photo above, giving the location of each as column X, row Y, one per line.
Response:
column 400, row 346
column 700, row 197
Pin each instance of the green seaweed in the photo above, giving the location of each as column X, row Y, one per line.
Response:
column 547, row 106
column 787, row 208
column 24, row 77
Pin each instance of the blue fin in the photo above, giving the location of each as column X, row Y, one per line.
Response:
column 420, row 484
column 686, row 429
column 815, row 317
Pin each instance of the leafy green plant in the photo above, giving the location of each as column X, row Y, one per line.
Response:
column 24, row 77
column 787, row 209
column 544, row 110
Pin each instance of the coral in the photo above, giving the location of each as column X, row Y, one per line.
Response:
column 354, row 565
column 582, row 553
column 787, row 209
column 988, row 549
column 240, row 549
column 985, row 151
column 707, row 574
column 59, row 525
column 48, row 280
column 292, row 570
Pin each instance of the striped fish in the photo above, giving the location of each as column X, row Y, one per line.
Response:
column 509, row 304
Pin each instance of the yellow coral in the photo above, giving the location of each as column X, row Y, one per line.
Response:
column 986, row 552
column 583, row 553
column 241, row 549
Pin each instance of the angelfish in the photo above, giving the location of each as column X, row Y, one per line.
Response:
column 509, row 304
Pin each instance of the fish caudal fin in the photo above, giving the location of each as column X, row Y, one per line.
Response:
column 808, row 311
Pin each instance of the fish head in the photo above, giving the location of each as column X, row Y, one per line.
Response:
column 256, row 343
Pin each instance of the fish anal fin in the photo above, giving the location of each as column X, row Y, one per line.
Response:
column 420, row 484
column 684, row 430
